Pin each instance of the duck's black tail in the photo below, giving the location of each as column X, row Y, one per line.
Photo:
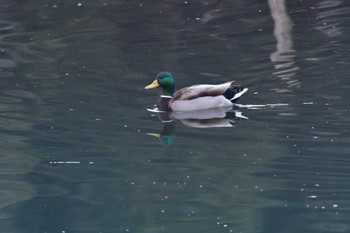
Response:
column 234, row 92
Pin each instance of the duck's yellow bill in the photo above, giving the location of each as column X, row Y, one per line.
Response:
column 152, row 85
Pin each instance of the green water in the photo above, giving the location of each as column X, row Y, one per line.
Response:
column 76, row 151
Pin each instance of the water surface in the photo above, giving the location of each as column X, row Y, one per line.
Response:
column 76, row 155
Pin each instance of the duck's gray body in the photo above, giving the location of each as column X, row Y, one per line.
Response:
column 199, row 97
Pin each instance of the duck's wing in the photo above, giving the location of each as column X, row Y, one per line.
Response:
column 195, row 91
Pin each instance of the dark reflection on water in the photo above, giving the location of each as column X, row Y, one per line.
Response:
column 76, row 156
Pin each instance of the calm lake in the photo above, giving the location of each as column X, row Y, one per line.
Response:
column 80, row 153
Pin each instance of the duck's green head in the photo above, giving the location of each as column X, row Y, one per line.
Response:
column 166, row 81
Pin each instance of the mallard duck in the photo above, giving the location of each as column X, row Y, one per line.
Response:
column 196, row 97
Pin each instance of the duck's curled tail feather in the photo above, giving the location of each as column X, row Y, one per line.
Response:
column 234, row 92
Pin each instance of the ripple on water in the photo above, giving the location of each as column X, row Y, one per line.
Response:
column 6, row 26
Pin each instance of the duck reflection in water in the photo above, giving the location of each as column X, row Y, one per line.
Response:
column 208, row 118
